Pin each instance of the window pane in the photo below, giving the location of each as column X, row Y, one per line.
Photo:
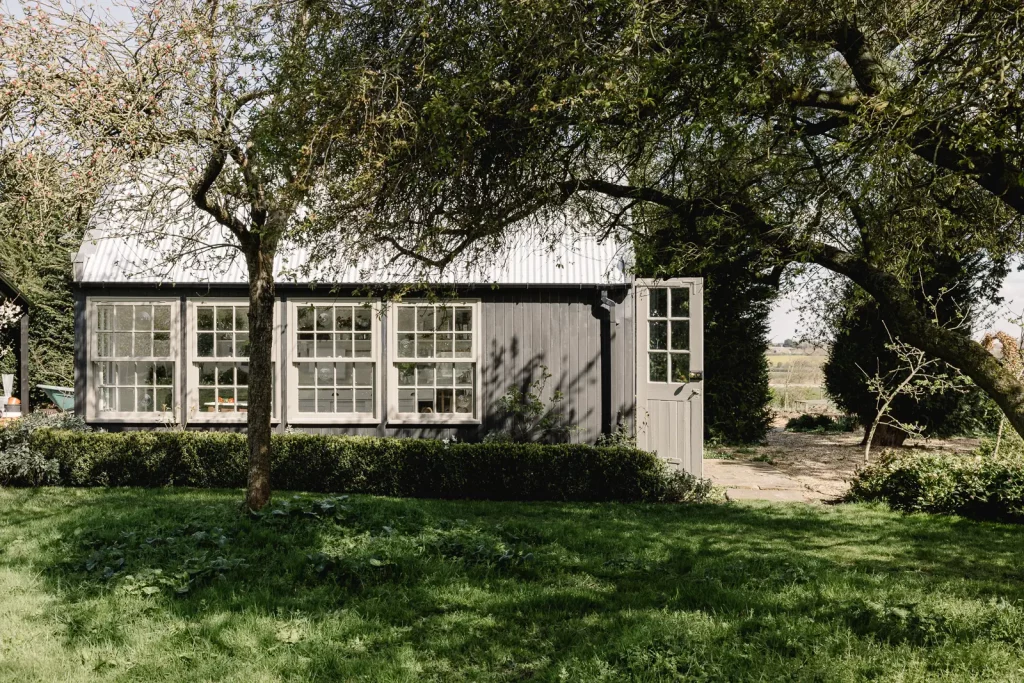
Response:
column 444, row 346
column 343, row 400
column 307, row 374
column 161, row 343
column 659, row 367
column 343, row 318
column 225, row 374
column 143, row 318
column 207, row 374
column 305, row 319
column 464, row 373
column 406, row 374
column 144, row 374
column 364, row 401
column 364, row 374
column 104, row 317
column 446, row 400
column 242, row 374
column 407, row 400
column 658, row 334
column 164, row 400
column 425, row 318
column 325, row 400
column 123, row 344
column 325, row 374
column 226, row 399
column 463, row 345
column 207, row 400
column 406, row 345
column 241, row 317
column 364, row 317
column 107, row 400
column 424, row 345
column 103, row 344
column 425, row 374
column 204, row 318
column 162, row 317
column 126, row 399
column 204, row 344
column 123, row 318
column 363, row 345
column 304, row 345
column 680, row 335
column 325, row 318
column 463, row 400
column 680, row 367
column 324, row 345
column 424, row 400
column 680, row 302
column 343, row 374
column 658, row 303
column 445, row 374
column 145, row 401
column 307, row 400
column 225, row 345
column 143, row 344
column 125, row 374
column 165, row 374
column 242, row 397
column 225, row 318
column 406, row 319
column 444, row 319
column 242, row 344
column 463, row 319
column 344, row 346
column 104, row 373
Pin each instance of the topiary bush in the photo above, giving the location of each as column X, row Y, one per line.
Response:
column 943, row 483
column 379, row 466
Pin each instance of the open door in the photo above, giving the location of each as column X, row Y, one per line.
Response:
column 670, row 370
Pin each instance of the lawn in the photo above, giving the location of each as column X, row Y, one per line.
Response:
column 178, row 585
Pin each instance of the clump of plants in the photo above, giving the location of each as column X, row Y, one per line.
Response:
column 25, row 466
column 820, row 424
column 528, row 417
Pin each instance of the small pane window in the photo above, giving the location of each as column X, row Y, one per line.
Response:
column 669, row 335
column 428, row 388
column 334, row 337
column 222, row 331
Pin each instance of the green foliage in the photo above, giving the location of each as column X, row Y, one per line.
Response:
column 381, row 466
column 820, row 423
column 20, row 464
column 528, row 418
column 971, row 486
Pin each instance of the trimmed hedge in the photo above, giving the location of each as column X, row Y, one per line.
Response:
column 379, row 466
column 971, row 486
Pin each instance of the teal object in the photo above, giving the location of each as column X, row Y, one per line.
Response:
column 62, row 397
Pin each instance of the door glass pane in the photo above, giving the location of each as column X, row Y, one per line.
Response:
column 659, row 303
column 658, row 367
column 658, row 334
column 681, row 302
column 680, row 335
column 680, row 367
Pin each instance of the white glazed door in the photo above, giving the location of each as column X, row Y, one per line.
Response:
column 670, row 370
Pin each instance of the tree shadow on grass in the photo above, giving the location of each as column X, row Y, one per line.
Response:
column 510, row 589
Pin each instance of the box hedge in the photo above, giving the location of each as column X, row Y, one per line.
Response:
column 379, row 466
column 972, row 486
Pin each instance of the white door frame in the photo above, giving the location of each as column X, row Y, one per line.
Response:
column 682, row 435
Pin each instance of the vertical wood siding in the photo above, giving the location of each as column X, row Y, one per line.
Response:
column 522, row 331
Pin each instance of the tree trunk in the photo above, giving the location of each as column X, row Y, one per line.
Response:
column 260, row 261
column 910, row 325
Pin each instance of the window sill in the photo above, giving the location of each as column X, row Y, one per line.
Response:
column 434, row 420
column 223, row 418
column 332, row 419
column 149, row 418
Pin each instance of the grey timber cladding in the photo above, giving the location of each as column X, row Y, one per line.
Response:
column 522, row 331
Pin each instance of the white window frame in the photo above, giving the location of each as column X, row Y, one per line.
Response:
column 92, row 412
column 395, row 417
column 195, row 412
column 292, row 371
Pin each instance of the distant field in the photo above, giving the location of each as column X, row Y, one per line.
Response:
column 795, row 378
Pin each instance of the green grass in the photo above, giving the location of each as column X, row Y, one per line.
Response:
column 176, row 585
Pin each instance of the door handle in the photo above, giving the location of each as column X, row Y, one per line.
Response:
column 696, row 376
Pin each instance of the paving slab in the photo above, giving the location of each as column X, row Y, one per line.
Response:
column 742, row 474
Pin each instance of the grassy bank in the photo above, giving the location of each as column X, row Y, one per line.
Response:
column 177, row 585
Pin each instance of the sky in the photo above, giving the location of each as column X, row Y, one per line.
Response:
column 785, row 321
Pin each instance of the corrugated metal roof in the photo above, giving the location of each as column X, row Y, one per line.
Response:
column 574, row 259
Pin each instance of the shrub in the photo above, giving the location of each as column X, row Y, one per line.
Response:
column 820, row 423
column 22, row 465
column 967, row 485
column 379, row 466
